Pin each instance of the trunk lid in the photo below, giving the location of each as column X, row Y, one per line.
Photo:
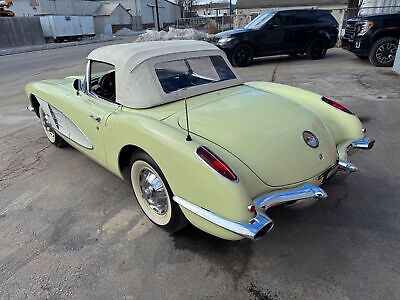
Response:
column 264, row 131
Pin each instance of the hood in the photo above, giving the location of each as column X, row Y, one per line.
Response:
column 232, row 32
column 265, row 131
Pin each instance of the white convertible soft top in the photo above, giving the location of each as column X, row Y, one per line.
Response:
column 137, row 85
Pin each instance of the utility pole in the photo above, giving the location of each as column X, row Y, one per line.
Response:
column 158, row 17
column 230, row 13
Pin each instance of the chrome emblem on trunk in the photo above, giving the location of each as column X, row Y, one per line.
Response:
column 310, row 139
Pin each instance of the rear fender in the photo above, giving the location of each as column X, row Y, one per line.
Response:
column 343, row 127
column 188, row 176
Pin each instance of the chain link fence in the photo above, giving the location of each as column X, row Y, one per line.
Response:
column 215, row 24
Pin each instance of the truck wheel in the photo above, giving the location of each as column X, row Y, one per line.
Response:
column 242, row 55
column 317, row 49
column 383, row 52
column 153, row 193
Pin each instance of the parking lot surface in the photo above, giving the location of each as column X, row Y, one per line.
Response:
column 71, row 229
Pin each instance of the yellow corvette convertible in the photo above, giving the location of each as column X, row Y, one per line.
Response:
column 197, row 143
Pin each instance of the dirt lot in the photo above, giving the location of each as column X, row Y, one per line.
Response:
column 70, row 229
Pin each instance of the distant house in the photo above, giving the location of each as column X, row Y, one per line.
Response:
column 168, row 11
column 110, row 17
column 211, row 9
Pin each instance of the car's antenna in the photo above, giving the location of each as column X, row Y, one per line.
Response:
column 188, row 137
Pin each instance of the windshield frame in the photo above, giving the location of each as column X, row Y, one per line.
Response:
column 260, row 21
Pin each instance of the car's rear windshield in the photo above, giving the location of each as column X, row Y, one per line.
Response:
column 189, row 72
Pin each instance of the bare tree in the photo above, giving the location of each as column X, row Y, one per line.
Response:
column 187, row 7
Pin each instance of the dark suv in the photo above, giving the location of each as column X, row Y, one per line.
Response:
column 375, row 37
column 310, row 31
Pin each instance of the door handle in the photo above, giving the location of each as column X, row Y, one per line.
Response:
column 96, row 118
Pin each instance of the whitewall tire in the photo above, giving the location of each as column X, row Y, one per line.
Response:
column 153, row 193
column 51, row 134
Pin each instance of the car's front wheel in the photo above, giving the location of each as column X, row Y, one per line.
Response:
column 154, row 194
column 383, row 52
column 317, row 49
column 51, row 134
column 242, row 55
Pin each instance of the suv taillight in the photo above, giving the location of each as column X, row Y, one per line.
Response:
column 336, row 105
column 216, row 163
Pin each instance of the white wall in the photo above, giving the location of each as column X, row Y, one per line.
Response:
column 85, row 8
column 379, row 3
column 120, row 16
column 102, row 25
column 396, row 66
column 168, row 12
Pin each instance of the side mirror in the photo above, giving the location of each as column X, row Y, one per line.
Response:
column 78, row 86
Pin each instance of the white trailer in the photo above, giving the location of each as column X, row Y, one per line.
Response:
column 61, row 28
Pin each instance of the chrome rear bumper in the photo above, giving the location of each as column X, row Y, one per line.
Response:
column 261, row 223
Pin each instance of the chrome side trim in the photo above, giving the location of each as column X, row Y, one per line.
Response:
column 365, row 143
column 256, row 227
column 345, row 165
column 307, row 191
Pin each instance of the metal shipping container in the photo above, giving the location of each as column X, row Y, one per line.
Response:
column 67, row 27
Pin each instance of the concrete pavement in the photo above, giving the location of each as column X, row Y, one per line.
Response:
column 70, row 229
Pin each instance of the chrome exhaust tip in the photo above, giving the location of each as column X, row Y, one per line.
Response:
column 365, row 143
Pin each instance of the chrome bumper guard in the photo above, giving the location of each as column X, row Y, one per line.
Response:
column 261, row 223
column 366, row 144
column 345, row 165
column 307, row 191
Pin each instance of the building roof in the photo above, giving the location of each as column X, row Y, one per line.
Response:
column 106, row 9
column 248, row 4
column 136, row 83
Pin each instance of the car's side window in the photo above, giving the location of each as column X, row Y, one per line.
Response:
column 286, row 18
column 102, row 81
column 325, row 18
column 274, row 21
column 303, row 18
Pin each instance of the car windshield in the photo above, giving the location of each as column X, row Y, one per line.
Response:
column 185, row 73
column 258, row 22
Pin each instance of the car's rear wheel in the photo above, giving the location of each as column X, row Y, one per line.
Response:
column 154, row 195
column 383, row 52
column 317, row 49
column 51, row 134
column 242, row 55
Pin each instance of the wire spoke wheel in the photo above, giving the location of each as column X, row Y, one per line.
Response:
column 47, row 126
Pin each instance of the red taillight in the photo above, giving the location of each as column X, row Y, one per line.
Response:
column 337, row 105
column 216, row 163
